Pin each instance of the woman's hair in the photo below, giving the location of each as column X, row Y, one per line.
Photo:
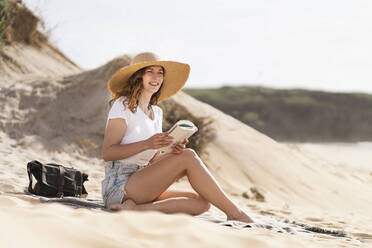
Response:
column 133, row 91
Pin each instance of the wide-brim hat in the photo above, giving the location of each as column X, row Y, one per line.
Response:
column 176, row 74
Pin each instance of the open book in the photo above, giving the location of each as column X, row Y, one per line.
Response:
column 181, row 130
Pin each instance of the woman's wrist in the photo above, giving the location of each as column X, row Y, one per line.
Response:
column 146, row 144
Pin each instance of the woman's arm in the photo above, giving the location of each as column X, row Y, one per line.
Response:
column 111, row 148
column 115, row 131
column 176, row 149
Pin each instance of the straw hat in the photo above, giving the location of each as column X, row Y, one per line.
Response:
column 175, row 77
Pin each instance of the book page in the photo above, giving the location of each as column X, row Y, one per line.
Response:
column 180, row 131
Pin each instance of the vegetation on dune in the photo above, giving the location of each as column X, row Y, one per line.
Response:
column 174, row 112
column 297, row 114
column 19, row 24
column 5, row 11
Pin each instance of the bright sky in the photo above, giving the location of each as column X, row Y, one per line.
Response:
column 317, row 44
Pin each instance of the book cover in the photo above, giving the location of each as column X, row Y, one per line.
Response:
column 181, row 130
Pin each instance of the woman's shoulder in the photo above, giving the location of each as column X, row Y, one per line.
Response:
column 119, row 110
column 120, row 105
column 120, row 102
column 121, row 99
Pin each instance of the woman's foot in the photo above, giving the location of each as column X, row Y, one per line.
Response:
column 126, row 205
column 243, row 216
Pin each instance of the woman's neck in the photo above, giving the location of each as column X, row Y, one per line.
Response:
column 144, row 101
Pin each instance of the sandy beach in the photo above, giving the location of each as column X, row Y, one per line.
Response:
column 79, row 226
column 302, row 186
column 300, row 195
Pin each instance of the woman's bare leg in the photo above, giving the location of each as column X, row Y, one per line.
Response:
column 170, row 201
column 206, row 185
column 147, row 184
column 187, row 205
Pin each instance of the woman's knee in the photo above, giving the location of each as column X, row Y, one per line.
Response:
column 189, row 153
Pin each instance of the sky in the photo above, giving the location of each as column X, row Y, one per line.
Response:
column 317, row 44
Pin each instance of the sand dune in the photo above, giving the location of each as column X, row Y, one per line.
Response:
column 55, row 112
column 20, row 63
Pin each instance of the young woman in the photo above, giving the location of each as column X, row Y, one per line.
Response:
column 137, row 177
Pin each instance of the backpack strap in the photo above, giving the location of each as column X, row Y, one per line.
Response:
column 30, row 178
column 61, row 181
column 31, row 166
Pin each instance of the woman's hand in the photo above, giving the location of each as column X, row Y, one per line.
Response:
column 179, row 147
column 159, row 140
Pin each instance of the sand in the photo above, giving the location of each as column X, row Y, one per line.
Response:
column 58, row 115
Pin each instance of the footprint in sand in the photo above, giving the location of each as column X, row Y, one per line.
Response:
column 363, row 235
column 264, row 212
column 331, row 225
column 253, row 207
column 285, row 212
column 314, row 219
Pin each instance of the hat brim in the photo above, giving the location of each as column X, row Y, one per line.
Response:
column 176, row 75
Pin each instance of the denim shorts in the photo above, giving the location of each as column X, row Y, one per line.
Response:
column 116, row 177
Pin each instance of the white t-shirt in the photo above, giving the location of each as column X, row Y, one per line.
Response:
column 139, row 127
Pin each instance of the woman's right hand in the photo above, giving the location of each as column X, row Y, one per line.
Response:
column 159, row 140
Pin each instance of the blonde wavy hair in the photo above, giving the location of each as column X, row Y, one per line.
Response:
column 133, row 91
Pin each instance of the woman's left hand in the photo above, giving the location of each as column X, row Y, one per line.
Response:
column 179, row 147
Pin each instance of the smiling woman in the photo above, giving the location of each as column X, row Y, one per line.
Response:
column 137, row 176
column 140, row 82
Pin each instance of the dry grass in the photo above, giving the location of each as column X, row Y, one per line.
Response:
column 89, row 147
column 173, row 112
column 255, row 195
column 4, row 20
column 19, row 24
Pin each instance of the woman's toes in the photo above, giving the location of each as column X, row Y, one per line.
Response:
column 114, row 207
column 127, row 204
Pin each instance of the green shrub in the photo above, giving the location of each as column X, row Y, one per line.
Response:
column 295, row 114
column 303, row 100
column 252, row 117
column 4, row 20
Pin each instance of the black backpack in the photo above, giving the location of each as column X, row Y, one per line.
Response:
column 54, row 180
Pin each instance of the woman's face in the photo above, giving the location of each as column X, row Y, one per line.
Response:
column 152, row 78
